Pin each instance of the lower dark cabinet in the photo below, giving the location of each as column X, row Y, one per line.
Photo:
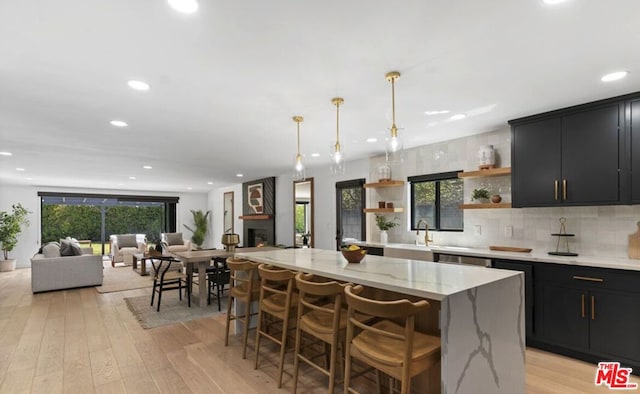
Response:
column 589, row 313
column 564, row 316
column 527, row 268
column 614, row 323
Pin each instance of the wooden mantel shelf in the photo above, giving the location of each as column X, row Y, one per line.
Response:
column 255, row 217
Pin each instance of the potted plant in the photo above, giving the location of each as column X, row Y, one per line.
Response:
column 201, row 223
column 10, row 227
column 480, row 194
column 384, row 225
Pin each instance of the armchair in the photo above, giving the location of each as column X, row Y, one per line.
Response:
column 173, row 242
column 124, row 246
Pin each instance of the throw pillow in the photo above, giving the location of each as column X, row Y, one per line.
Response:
column 174, row 239
column 127, row 241
column 52, row 249
column 77, row 250
column 65, row 248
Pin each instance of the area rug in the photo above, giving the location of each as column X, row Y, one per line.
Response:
column 172, row 310
column 121, row 279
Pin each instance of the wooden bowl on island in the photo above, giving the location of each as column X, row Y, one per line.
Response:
column 354, row 256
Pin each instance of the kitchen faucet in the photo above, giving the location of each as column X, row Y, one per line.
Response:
column 426, row 229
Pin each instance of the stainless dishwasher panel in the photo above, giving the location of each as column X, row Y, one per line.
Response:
column 464, row 260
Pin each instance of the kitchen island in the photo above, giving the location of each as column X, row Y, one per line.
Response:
column 481, row 318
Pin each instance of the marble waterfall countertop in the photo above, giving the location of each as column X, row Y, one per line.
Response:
column 481, row 319
column 533, row 256
column 423, row 279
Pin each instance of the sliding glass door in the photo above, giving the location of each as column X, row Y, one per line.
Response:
column 93, row 218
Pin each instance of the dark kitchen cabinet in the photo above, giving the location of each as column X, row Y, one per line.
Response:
column 588, row 313
column 527, row 268
column 564, row 316
column 633, row 113
column 569, row 157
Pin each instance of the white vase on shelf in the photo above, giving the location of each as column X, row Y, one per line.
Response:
column 384, row 236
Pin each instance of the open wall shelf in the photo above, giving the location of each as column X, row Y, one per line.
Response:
column 383, row 210
column 384, row 184
column 485, row 173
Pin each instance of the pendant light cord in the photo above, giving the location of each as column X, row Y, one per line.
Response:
column 338, row 124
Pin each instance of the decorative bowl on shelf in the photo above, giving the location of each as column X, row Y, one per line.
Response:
column 354, row 255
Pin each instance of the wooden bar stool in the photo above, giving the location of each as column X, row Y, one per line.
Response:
column 397, row 350
column 322, row 316
column 277, row 299
column 244, row 288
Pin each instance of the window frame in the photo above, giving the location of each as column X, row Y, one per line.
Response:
column 437, row 178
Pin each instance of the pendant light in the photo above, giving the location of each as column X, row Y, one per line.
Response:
column 299, row 167
column 337, row 154
column 394, row 146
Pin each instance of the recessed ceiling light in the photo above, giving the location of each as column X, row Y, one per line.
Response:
column 184, row 6
column 118, row 123
column 138, row 85
column 239, row 175
column 6, row 153
column 209, row 183
column 554, row 1
column 189, row 188
column 120, row 184
column 133, row 178
column 373, row 139
column 29, row 179
column 147, row 167
column 614, row 76
column 315, row 155
column 429, row 113
column 458, row 116
column 19, row 169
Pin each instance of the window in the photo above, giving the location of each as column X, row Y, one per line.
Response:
column 435, row 198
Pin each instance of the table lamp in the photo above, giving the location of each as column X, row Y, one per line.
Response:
column 230, row 241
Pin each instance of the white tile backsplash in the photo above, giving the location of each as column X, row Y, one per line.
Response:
column 599, row 231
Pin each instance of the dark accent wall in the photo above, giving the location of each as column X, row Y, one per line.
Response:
column 269, row 203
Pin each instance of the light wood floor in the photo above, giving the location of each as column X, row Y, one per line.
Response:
column 80, row 341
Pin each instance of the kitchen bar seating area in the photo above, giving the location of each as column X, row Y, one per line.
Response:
column 464, row 313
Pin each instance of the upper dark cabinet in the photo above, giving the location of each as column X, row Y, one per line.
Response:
column 633, row 113
column 574, row 156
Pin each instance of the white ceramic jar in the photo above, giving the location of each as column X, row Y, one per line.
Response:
column 486, row 156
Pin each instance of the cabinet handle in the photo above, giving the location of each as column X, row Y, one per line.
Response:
column 587, row 278
column 593, row 308
column 564, row 189
column 555, row 190
column 582, row 309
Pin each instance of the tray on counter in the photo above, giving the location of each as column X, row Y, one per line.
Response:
column 510, row 249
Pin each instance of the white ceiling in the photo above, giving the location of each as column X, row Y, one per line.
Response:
column 226, row 80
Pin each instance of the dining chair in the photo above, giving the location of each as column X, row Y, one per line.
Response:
column 168, row 275
column 219, row 276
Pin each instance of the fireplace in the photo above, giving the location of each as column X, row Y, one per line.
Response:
column 258, row 212
column 258, row 237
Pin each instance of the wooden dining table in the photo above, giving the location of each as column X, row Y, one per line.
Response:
column 202, row 260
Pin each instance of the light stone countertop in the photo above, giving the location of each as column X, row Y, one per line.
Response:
column 423, row 279
column 533, row 256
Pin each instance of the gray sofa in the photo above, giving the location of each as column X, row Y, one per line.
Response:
column 65, row 272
